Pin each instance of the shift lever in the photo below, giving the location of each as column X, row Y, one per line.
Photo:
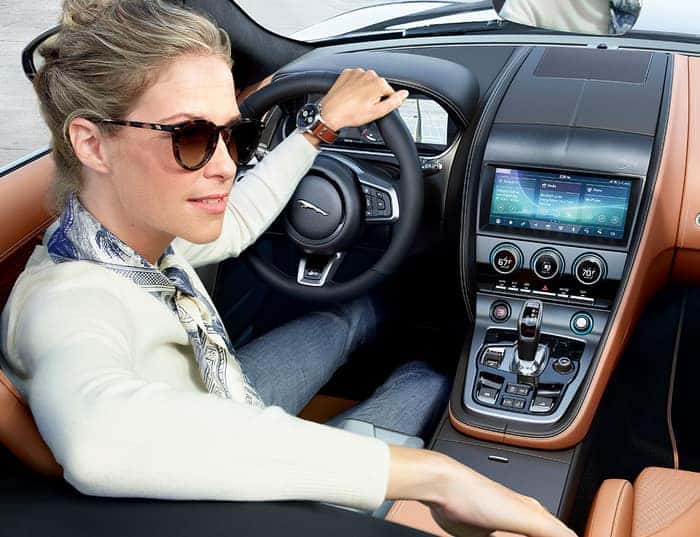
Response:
column 529, row 354
column 529, row 325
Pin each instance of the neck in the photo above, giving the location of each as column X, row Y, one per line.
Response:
column 148, row 242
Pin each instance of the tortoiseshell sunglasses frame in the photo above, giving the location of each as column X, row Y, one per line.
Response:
column 176, row 130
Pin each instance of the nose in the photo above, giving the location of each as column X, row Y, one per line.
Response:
column 221, row 166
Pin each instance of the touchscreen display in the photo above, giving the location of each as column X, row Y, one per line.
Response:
column 564, row 203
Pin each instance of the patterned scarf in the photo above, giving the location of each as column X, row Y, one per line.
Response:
column 623, row 15
column 80, row 237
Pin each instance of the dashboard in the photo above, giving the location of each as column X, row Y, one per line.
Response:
column 542, row 169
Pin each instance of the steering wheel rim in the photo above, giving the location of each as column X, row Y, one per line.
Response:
column 409, row 189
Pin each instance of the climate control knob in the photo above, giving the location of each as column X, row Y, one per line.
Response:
column 547, row 264
column 589, row 269
column 506, row 259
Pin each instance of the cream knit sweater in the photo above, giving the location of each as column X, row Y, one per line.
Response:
column 111, row 380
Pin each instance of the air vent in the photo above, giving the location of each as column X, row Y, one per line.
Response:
column 593, row 64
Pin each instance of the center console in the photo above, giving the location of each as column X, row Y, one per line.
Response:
column 551, row 250
column 567, row 228
column 554, row 203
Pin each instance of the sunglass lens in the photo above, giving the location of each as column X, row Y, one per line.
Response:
column 243, row 141
column 195, row 144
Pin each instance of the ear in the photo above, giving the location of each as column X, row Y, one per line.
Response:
column 89, row 144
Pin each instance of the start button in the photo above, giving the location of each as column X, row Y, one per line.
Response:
column 500, row 311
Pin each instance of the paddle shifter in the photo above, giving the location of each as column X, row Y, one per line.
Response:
column 529, row 354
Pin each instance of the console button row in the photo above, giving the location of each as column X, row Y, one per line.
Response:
column 543, row 400
column 561, row 293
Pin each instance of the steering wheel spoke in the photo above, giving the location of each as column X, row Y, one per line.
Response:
column 381, row 201
column 315, row 272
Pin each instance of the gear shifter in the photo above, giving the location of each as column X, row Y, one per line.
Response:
column 529, row 325
column 529, row 354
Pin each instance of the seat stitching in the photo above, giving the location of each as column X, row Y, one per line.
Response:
column 617, row 508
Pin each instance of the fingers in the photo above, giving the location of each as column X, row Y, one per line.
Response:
column 394, row 101
column 358, row 97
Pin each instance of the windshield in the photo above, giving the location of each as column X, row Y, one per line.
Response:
column 336, row 17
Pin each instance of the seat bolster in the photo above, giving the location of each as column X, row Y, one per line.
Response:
column 612, row 511
column 18, row 432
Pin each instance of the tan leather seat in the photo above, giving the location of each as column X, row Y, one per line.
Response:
column 23, row 219
column 662, row 503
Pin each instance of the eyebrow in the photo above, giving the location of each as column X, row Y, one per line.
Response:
column 189, row 115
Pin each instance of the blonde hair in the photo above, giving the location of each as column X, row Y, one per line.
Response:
column 106, row 54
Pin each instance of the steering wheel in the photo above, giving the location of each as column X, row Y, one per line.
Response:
column 335, row 199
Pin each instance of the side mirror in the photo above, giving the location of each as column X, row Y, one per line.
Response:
column 595, row 17
column 31, row 59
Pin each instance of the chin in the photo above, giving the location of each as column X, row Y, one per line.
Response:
column 202, row 234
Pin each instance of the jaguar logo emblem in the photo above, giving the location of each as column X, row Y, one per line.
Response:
column 308, row 205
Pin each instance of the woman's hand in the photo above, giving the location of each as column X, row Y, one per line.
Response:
column 463, row 502
column 358, row 97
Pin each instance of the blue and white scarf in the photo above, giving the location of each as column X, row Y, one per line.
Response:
column 623, row 15
column 81, row 237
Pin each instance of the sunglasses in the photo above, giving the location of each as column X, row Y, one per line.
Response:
column 195, row 140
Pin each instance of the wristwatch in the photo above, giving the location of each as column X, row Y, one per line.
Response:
column 309, row 120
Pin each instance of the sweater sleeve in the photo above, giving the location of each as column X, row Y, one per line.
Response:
column 256, row 199
column 117, row 434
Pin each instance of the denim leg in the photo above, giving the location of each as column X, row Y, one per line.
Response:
column 410, row 401
column 290, row 364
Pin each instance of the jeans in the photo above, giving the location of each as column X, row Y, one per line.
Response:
column 290, row 364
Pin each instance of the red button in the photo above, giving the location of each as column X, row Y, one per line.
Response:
column 500, row 312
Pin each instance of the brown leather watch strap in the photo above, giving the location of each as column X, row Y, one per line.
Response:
column 324, row 133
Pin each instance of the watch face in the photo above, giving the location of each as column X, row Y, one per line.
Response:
column 307, row 115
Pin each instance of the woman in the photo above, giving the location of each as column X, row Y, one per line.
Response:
column 111, row 336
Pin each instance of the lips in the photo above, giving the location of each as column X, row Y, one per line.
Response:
column 213, row 203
